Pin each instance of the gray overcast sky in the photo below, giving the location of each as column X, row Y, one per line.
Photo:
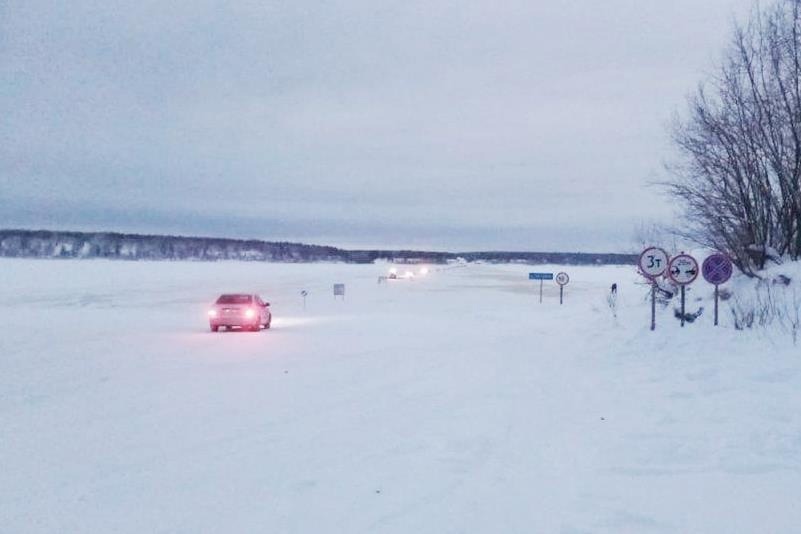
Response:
column 449, row 125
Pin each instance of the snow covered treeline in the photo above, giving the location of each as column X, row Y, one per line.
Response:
column 47, row 244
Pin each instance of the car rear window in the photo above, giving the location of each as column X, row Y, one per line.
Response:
column 234, row 299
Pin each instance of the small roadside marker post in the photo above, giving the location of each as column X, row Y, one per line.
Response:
column 717, row 269
column 541, row 277
column 562, row 279
column 303, row 294
column 652, row 263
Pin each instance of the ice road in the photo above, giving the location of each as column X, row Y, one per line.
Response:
column 452, row 403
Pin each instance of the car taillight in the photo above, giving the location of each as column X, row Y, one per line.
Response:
column 250, row 313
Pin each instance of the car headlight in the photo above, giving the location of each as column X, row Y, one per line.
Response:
column 212, row 313
column 250, row 313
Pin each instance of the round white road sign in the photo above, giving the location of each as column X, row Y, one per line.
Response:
column 683, row 269
column 562, row 279
column 653, row 262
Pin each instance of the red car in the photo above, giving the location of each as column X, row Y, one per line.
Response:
column 247, row 312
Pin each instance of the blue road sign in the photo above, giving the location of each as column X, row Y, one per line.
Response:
column 540, row 276
column 717, row 269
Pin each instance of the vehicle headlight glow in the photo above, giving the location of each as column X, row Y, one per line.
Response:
column 393, row 270
column 250, row 313
column 212, row 313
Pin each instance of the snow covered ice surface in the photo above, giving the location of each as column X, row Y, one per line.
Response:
column 454, row 403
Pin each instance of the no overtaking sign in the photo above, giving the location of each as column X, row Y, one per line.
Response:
column 683, row 269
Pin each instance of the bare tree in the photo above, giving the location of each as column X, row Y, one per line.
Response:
column 739, row 171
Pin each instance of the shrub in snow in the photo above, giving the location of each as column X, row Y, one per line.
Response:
column 665, row 291
column 787, row 302
column 774, row 302
column 783, row 280
column 689, row 317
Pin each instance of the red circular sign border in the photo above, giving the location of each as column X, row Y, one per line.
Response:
column 639, row 261
column 697, row 269
column 731, row 267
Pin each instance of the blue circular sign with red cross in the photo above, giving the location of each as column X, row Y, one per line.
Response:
column 717, row 269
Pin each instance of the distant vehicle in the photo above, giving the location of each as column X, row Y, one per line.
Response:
column 247, row 312
column 406, row 275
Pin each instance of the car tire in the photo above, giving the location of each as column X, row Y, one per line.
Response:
column 267, row 326
column 214, row 328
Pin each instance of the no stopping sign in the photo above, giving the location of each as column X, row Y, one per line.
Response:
column 717, row 269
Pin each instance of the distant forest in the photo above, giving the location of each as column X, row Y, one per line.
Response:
column 46, row 244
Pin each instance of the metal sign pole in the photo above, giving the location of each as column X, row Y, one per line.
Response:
column 716, row 304
column 540, row 290
column 653, row 305
column 683, row 270
column 561, row 294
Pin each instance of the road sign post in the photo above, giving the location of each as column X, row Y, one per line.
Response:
column 717, row 297
column 303, row 294
column 541, row 277
column 562, row 279
column 339, row 290
column 652, row 263
column 683, row 269
column 653, row 305
column 717, row 269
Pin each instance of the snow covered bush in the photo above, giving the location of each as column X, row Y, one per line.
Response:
column 772, row 302
column 787, row 302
